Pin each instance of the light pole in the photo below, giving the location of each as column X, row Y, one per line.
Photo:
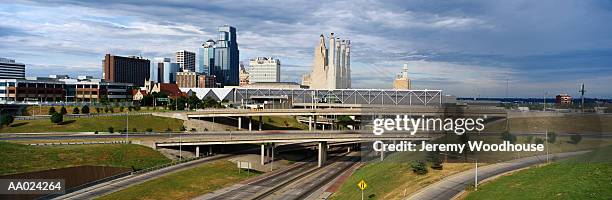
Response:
column 127, row 126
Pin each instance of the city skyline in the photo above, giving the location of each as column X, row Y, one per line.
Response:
column 467, row 50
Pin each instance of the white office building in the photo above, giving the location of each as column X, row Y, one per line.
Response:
column 264, row 69
column 9, row 69
column 186, row 60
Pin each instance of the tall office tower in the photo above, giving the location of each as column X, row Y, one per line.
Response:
column 221, row 58
column 9, row 69
column 186, row 59
column 331, row 68
column 226, row 57
column 166, row 70
column 402, row 81
column 206, row 57
column 264, row 70
column 131, row 69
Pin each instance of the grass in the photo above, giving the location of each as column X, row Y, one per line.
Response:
column 393, row 178
column 91, row 124
column 18, row 158
column 569, row 124
column 584, row 177
column 44, row 110
column 185, row 184
column 282, row 122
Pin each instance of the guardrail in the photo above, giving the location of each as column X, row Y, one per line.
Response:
column 80, row 143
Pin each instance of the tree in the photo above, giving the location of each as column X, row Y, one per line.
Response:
column 63, row 110
column 75, row 110
column 576, row 138
column 552, row 137
column 85, row 109
column 57, row 118
column 434, row 158
column 106, row 110
column 98, row 110
column 121, row 109
column 52, row 111
column 419, row 167
column 7, row 119
column 507, row 136
column 194, row 102
column 111, row 129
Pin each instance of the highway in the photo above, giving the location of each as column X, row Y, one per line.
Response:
column 122, row 183
column 453, row 185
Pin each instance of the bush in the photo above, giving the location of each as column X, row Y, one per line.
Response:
column 435, row 160
column 98, row 109
column 419, row 167
column 96, row 132
column 130, row 108
column 134, row 130
column 106, row 110
column 121, row 109
column 7, row 119
column 507, row 136
column 183, row 128
column 552, row 137
column 193, row 130
column 75, row 110
column 57, row 118
column 63, row 110
column 52, row 111
column 576, row 138
column 149, row 130
column 539, row 141
column 85, row 109
column 111, row 129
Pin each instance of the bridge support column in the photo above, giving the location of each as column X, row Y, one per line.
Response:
column 322, row 153
column 239, row 123
column 263, row 154
column 309, row 123
column 210, row 150
column 197, row 151
column 315, row 122
column 260, row 123
column 250, row 123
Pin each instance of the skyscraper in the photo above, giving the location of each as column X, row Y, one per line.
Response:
column 221, row 58
column 264, row 70
column 331, row 68
column 166, row 70
column 186, row 59
column 131, row 69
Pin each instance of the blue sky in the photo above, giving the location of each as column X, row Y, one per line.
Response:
column 466, row 48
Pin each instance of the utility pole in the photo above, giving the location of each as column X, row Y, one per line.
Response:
column 582, row 97
column 545, row 96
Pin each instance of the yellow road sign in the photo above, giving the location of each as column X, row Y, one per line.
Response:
column 362, row 185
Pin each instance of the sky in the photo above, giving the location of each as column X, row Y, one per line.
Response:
column 485, row 48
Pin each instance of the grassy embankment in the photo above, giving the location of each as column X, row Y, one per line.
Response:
column 44, row 110
column 91, row 124
column 18, row 158
column 584, row 177
column 185, row 184
column 567, row 124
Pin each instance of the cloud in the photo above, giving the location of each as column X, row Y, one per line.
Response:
column 467, row 48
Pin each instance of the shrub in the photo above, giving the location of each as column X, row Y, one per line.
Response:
column 507, row 136
column 434, row 158
column 552, row 137
column 193, row 130
column 121, row 109
column 539, row 141
column 63, row 110
column 98, row 109
column 149, row 130
column 130, row 108
column 75, row 110
column 52, row 110
column 134, row 130
column 85, row 109
column 7, row 119
column 576, row 138
column 183, row 128
column 419, row 167
column 96, row 132
column 111, row 129
column 106, row 110
column 57, row 118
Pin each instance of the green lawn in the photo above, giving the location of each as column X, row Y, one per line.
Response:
column 17, row 158
column 185, row 184
column 585, row 177
column 282, row 122
column 90, row 124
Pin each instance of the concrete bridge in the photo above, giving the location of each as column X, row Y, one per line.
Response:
column 269, row 141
